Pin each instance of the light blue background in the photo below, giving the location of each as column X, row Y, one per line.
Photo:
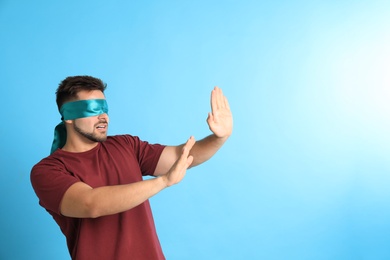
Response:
column 305, row 174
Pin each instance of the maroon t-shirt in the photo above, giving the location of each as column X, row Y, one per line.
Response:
column 118, row 160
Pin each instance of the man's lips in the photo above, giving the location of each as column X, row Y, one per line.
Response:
column 102, row 126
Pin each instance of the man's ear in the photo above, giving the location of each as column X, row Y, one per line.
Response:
column 68, row 121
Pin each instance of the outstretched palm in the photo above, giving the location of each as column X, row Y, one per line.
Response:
column 220, row 120
column 179, row 168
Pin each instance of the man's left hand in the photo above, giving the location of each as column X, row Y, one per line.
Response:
column 220, row 119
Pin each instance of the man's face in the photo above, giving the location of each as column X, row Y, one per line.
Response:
column 92, row 128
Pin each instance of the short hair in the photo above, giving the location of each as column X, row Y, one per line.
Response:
column 71, row 86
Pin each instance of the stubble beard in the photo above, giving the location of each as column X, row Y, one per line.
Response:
column 90, row 136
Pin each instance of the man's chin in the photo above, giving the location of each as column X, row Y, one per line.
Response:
column 101, row 138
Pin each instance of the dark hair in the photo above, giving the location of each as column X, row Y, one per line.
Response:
column 71, row 86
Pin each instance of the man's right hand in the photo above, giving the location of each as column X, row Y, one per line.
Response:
column 179, row 168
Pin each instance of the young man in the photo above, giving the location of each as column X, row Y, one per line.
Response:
column 92, row 183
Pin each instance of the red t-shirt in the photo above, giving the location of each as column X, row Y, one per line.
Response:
column 118, row 160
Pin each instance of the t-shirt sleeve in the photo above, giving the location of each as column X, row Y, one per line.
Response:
column 147, row 154
column 50, row 181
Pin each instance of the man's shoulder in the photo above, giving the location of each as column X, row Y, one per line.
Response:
column 50, row 162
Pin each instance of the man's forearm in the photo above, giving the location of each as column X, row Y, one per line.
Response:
column 83, row 202
column 205, row 148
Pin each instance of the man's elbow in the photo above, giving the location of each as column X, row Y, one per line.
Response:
column 92, row 209
column 84, row 209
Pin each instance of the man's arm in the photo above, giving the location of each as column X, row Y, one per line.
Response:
column 220, row 122
column 82, row 201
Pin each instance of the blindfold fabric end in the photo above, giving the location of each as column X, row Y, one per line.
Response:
column 59, row 137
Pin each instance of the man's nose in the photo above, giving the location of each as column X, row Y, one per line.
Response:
column 103, row 116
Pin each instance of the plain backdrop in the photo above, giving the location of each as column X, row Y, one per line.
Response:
column 305, row 174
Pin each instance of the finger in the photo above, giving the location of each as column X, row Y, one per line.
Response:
column 213, row 101
column 190, row 159
column 210, row 118
column 188, row 145
column 226, row 103
column 185, row 159
column 219, row 98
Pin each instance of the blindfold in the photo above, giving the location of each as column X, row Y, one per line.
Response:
column 74, row 110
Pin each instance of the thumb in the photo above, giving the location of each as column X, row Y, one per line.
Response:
column 210, row 118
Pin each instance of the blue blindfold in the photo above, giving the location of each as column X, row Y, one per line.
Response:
column 74, row 110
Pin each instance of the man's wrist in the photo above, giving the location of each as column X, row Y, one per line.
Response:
column 221, row 139
column 163, row 180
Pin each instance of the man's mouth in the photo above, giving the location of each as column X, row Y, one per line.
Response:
column 101, row 126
